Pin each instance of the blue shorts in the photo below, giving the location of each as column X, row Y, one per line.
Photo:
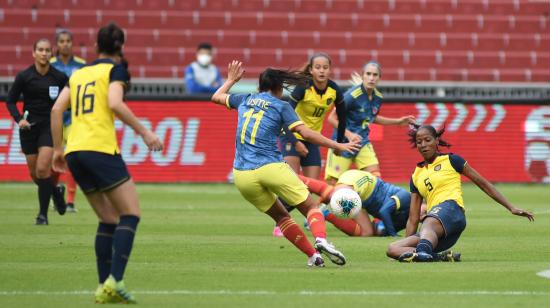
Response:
column 453, row 220
column 313, row 158
column 399, row 217
column 96, row 171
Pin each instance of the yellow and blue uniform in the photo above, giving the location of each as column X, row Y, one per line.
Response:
column 440, row 185
column 382, row 200
column 259, row 171
column 92, row 149
column 312, row 106
column 360, row 113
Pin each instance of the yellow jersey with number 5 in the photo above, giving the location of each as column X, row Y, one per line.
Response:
column 93, row 126
column 439, row 180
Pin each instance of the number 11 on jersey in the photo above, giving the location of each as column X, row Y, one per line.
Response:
column 257, row 119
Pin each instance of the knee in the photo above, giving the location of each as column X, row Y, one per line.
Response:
column 392, row 251
column 42, row 172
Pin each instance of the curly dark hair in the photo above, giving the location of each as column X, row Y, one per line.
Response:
column 414, row 128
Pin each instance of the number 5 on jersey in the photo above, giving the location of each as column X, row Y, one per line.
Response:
column 86, row 100
column 257, row 119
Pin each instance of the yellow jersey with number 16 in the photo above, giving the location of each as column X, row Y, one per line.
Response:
column 93, row 127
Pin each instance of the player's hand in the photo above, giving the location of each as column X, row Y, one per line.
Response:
column 235, row 71
column 152, row 141
column 356, row 79
column 520, row 212
column 59, row 164
column 353, row 137
column 301, row 149
column 406, row 120
column 350, row 147
column 24, row 124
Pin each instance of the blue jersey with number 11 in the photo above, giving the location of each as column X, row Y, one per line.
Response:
column 261, row 118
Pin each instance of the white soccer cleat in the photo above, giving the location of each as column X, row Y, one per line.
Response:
column 316, row 260
column 330, row 251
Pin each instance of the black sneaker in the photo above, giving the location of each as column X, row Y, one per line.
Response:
column 41, row 220
column 448, row 256
column 58, row 198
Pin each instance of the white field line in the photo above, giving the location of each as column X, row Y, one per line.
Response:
column 544, row 274
column 299, row 293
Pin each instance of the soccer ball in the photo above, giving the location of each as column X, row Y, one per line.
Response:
column 345, row 203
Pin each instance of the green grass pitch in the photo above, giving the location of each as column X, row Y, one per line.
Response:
column 205, row 246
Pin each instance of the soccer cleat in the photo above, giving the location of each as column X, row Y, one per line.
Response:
column 316, row 261
column 448, row 256
column 415, row 257
column 277, row 232
column 115, row 292
column 330, row 251
column 59, row 199
column 41, row 220
column 71, row 208
column 100, row 296
column 379, row 227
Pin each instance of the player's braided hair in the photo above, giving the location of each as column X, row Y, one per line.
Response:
column 110, row 39
column 275, row 80
column 414, row 128
column 307, row 67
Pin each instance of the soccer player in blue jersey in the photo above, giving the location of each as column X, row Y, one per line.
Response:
column 260, row 173
column 363, row 103
column 66, row 62
column 382, row 200
column 437, row 179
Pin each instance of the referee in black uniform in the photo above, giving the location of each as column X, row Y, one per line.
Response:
column 40, row 85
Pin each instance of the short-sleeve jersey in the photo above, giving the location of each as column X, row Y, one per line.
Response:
column 93, row 126
column 74, row 64
column 261, row 118
column 312, row 105
column 360, row 113
column 439, row 180
column 363, row 182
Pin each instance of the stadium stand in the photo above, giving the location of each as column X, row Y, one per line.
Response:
column 457, row 40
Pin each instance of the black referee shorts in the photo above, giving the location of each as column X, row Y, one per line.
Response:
column 96, row 171
column 39, row 135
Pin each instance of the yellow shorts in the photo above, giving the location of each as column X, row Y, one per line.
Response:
column 66, row 131
column 262, row 186
column 336, row 165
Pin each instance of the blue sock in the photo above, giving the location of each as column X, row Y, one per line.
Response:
column 122, row 244
column 104, row 249
column 425, row 246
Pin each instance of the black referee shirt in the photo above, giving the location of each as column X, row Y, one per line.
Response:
column 39, row 93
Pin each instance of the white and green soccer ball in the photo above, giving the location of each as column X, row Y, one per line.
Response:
column 345, row 203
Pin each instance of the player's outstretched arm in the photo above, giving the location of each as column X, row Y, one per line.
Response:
column 414, row 214
column 492, row 192
column 56, row 121
column 315, row 137
column 408, row 119
column 116, row 103
column 235, row 72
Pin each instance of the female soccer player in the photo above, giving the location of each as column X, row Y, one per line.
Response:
column 40, row 85
column 259, row 170
column 437, row 179
column 362, row 104
column 66, row 62
column 312, row 103
column 382, row 200
column 95, row 95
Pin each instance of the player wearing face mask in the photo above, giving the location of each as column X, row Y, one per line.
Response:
column 201, row 76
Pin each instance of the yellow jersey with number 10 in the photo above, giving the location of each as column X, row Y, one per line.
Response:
column 93, row 126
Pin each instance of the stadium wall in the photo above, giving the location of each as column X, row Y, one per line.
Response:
column 505, row 142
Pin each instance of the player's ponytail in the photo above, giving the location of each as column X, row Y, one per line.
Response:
column 414, row 128
column 307, row 66
column 110, row 40
column 275, row 80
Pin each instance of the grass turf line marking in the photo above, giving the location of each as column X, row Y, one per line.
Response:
column 544, row 274
column 300, row 293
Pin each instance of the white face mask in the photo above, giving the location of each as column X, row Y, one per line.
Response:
column 204, row 60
